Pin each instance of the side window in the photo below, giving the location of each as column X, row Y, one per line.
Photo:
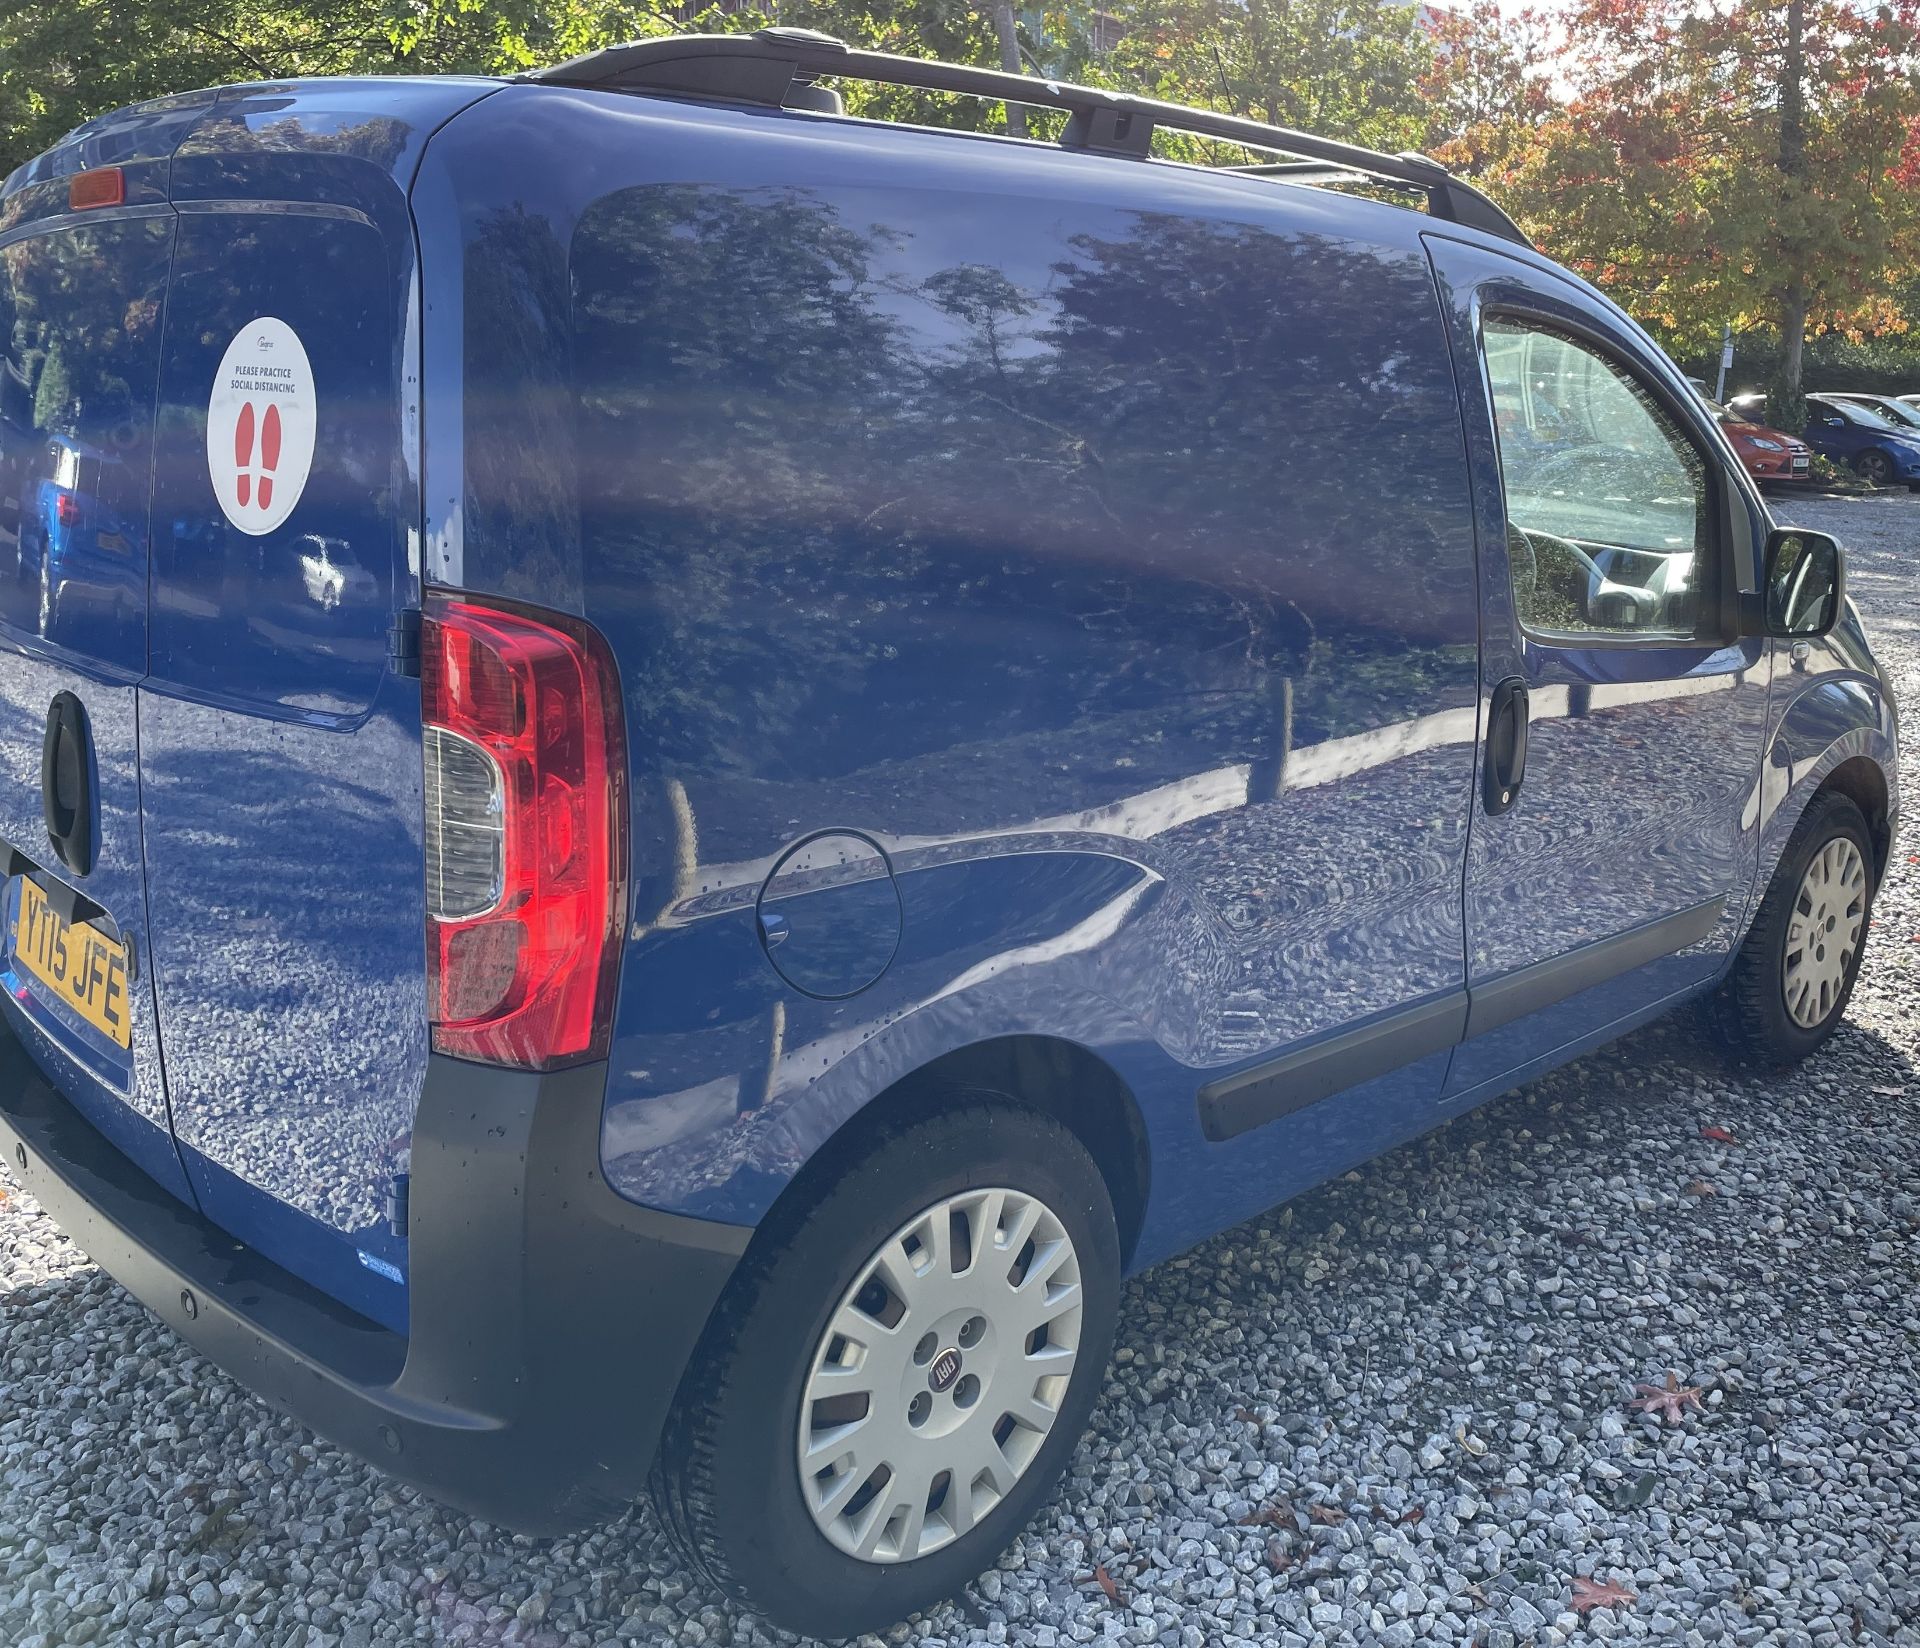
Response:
column 1607, row 500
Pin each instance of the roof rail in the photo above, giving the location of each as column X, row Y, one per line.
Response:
column 777, row 67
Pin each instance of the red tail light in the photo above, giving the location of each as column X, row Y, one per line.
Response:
column 66, row 509
column 526, row 833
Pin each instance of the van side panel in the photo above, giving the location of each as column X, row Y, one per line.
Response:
column 1086, row 546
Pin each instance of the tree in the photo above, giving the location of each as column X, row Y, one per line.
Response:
column 1486, row 86
column 1342, row 68
column 62, row 64
column 1738, row 160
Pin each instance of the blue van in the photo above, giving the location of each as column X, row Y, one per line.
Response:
column 730, row 758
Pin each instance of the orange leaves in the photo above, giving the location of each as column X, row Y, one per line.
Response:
column 1589, row 1594
column 1669, row 1401
column 1718, row 1135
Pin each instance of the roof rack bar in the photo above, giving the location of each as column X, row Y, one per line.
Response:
column 763, row 68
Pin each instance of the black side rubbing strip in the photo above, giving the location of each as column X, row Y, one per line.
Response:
column 1514, row 995
column 1234, row 1104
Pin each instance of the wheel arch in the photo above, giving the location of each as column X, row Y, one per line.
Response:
column 1837, row 734
column 1052, row 1075
column 1862, row 780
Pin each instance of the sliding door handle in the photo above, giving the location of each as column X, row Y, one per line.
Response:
column 1505, row 767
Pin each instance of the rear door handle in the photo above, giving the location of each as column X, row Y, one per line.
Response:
column 66, row 783
column 1505, row 768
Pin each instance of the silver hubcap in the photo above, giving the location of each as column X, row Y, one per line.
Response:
column 1823, row 935
column 939, row 1375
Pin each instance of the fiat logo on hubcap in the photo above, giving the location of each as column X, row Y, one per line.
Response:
column 945, row 1369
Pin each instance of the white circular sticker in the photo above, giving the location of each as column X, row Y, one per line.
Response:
column 260, row 425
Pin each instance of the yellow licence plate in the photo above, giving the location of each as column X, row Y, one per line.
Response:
column 80, row 965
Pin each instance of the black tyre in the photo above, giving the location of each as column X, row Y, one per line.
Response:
column 1875, row 468
column 898, row 1375
column 1794, row 975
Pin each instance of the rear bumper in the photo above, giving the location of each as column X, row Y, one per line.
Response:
column 551, row 1319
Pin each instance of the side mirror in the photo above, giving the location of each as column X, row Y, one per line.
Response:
column 1802, row 585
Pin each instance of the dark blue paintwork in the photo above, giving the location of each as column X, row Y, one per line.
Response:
column 1642, row 759
column 80, row 306
column 1111, row 558
column 280, row 757
column 935, row 519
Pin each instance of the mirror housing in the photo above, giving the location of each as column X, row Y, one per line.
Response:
column 1802, row 587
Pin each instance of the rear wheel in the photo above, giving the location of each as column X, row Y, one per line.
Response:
column 1875, row 468
column 1796, row 971
column 899, row 1374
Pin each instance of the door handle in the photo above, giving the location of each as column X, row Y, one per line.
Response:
column 1505, row 767
column 66, row 783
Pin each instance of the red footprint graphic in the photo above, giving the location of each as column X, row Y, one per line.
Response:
column 269, row 453
column 243, row 452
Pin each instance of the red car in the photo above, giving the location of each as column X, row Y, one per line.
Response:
column 1768, row 454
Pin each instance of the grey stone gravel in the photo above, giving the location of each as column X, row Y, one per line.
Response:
column 1396, row 1411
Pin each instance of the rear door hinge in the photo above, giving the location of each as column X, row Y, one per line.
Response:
column 403, row 642
column 398, row 1198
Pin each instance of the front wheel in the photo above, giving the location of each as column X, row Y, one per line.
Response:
column 1875, row 468
column 1795, row 973
column 899, row 1374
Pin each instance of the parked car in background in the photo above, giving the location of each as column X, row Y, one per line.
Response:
column 1896, row 412
column 1767, row 454
column 670, row 906
column 1878, row 449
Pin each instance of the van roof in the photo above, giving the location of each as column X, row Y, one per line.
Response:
column 779, row 68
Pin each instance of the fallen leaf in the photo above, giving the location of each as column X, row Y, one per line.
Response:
column 1589, row 1594
column 1699, row 1187
column 1279, row 1558
column 1105, row 1581
column 1276, row 1515
column 1246, row 1416
column 1719, row 1135
column 1413, row 1515
column 1670, row 1401
column 1326, row 1516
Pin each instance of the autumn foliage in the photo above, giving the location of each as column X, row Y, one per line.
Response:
column 1743, row 161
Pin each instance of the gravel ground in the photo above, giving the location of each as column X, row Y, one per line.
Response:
column 1401, row 1409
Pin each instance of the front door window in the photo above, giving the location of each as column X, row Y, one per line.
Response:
column 1607, row 504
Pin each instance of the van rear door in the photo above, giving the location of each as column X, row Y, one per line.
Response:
column 280, row 752
column 83, row 278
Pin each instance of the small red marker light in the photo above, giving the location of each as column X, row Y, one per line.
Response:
column 105, row 186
